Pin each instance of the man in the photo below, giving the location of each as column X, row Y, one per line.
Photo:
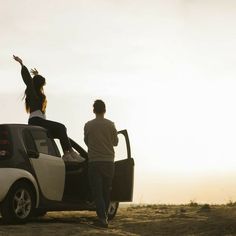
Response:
column 100, row 136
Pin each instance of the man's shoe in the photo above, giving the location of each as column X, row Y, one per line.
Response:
column 77, row 157
column 101, row 223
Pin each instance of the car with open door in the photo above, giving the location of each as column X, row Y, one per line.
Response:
column 35, row 179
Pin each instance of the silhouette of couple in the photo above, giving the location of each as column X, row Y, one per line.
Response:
column 100, row 136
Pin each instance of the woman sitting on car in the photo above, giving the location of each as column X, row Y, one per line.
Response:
column 35, row 104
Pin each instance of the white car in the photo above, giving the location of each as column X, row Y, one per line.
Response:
column 34, row 178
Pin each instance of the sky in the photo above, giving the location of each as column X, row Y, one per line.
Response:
column 166, row 70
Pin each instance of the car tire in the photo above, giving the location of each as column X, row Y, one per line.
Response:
column 19, row 204
column 113, row 207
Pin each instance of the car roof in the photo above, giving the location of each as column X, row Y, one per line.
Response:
column 21, row 126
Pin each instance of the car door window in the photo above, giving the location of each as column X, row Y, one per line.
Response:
column 121, row 148
column 58, row 144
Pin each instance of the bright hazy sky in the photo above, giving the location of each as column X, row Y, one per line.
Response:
column 166, row 70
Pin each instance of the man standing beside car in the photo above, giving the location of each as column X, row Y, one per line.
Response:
column 100, row 136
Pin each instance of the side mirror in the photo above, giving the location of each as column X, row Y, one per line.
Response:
column 32, row 154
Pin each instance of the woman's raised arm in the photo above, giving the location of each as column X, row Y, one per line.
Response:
column 24, row 71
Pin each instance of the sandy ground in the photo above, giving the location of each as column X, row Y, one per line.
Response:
column 135, row 220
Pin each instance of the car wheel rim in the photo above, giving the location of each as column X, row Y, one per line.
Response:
column 112, row 208
column 22, row 203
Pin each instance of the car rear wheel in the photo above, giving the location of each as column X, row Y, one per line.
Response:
column 112, row 210
column 19, row 204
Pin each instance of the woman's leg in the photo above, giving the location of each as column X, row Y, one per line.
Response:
column 57, row 130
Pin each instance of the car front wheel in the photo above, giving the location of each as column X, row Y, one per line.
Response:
column 112, row 210
column 19, row 204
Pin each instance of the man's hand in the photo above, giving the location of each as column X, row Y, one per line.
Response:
column 18, row 59
column 34, row 72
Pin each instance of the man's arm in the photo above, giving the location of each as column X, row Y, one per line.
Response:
column 115, row 136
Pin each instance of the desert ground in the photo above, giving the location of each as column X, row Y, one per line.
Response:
column 191, row 219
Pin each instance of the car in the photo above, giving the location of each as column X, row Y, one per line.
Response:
column 35, row 179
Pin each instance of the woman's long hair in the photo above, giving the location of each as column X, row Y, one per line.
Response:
column 38, row 83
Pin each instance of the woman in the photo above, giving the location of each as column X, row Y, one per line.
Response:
column 35, row 104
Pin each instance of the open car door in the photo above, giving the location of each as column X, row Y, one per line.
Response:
column 123, row 181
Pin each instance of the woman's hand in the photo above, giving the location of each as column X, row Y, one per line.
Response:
column 18, row 59
column 34, row 72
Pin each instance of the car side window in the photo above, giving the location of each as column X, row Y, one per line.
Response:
column 29, row 142
column 40, row 142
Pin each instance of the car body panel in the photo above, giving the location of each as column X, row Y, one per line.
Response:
column 122, row 186
column 50, row 172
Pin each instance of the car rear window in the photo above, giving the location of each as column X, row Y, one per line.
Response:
column 38, row 140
